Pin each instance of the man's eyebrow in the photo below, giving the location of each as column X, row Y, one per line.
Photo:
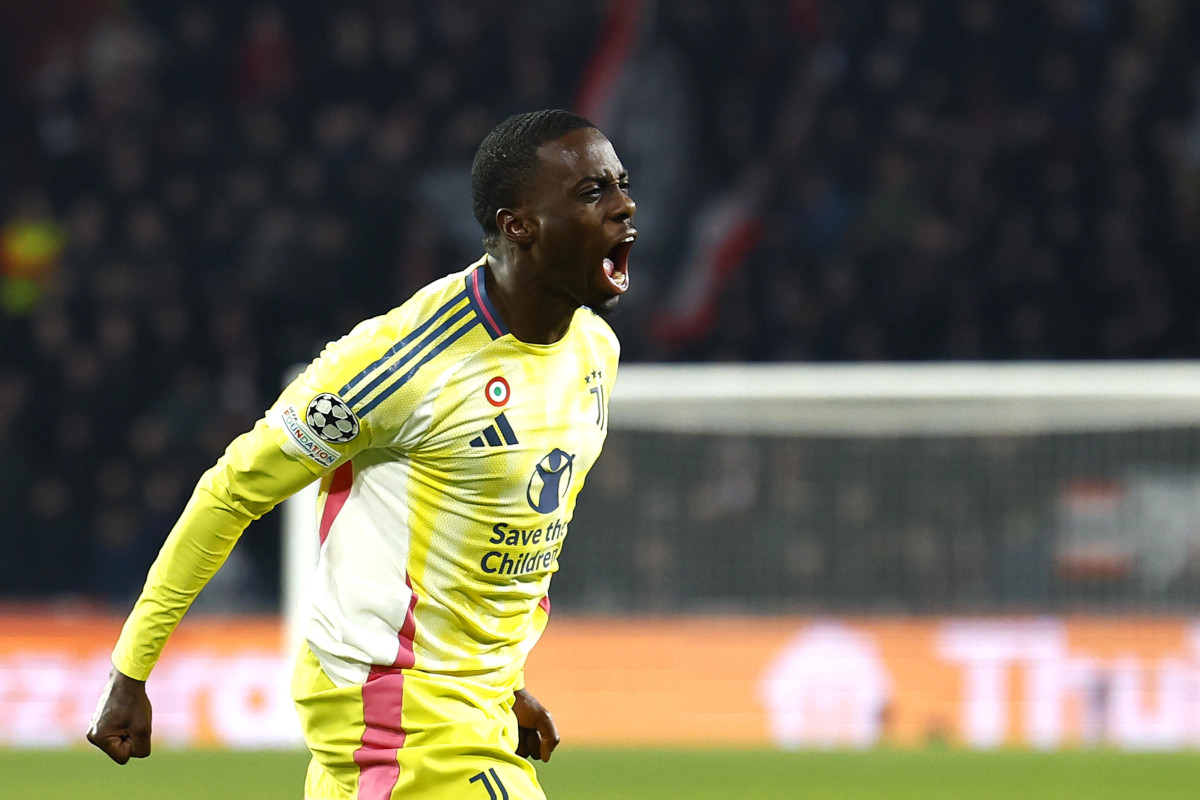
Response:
column 623, row 175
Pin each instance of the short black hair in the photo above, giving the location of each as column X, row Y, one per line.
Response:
column 506, row 159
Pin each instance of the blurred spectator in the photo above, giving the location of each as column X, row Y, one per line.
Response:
column 31, row 244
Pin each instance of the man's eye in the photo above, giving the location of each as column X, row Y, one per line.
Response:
column 593, row 193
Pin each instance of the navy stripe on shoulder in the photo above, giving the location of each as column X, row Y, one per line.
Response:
column 398, row 346
column 429, row 338
column 407, row 376
column 493, row 323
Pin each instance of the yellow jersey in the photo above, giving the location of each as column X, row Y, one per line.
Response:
column 450, row 456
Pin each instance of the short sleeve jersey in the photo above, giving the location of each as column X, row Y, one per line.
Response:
column 452, row 455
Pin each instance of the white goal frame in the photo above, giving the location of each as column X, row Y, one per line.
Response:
column 975, row 398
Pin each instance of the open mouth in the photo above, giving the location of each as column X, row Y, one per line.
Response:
column 616, row 265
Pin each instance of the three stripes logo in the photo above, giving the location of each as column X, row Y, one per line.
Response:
column 496, row 434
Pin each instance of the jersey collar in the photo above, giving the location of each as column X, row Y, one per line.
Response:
column 492, row 322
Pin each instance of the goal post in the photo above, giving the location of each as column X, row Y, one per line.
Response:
column 299, row 552
column 910, row 487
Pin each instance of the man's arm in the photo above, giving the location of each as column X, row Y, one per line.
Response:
column 250, row 479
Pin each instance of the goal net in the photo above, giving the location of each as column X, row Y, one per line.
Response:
column 907, row 488
column 956, row 488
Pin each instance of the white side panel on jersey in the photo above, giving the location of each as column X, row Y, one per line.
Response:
column 359, row 592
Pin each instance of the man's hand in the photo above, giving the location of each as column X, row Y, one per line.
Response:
column 536, row 735
column 121, row 724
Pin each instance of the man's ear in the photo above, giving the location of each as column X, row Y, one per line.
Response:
column 514, row 226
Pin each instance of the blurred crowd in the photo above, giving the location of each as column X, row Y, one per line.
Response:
column 196, row 196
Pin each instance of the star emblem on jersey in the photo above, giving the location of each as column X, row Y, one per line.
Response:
column 331, row 419
column 497, row 391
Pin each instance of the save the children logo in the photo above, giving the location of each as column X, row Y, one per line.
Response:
column 550, row 481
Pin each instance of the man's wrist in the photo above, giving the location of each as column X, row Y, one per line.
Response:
column 117, row 676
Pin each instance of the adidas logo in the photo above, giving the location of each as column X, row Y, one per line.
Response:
column 496, row 434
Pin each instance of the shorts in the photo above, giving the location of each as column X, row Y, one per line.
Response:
column 407, row 735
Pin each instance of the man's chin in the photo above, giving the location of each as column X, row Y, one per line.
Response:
column 606, row 307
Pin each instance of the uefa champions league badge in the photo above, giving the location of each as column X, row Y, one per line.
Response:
column 331, row 419
column 497, row 392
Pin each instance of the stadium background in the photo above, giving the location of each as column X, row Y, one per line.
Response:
column 195, row 196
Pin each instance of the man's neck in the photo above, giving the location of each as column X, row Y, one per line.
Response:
column 531, row 314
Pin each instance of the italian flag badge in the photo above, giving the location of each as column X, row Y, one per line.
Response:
column 497, row 391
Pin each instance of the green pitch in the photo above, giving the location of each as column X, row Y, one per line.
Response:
column 649, row 775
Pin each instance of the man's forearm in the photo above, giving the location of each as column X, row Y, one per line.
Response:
column 196, row 548
column 249, row 480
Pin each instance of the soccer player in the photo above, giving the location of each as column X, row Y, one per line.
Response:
column 451, row 437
